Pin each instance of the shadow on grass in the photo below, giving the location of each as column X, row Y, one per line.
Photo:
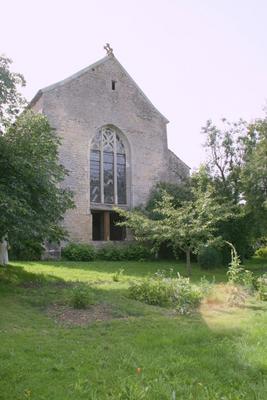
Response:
column 42, row 290
column 16, row 275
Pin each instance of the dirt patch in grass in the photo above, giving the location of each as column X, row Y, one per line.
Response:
column 31, row 285
column 68, row 316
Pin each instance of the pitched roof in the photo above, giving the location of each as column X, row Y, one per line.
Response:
column 87, row 69
column 178, row 158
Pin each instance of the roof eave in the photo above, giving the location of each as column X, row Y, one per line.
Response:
column 76, row 75
column 35, row 98
column 179, row 159
column 141, row 91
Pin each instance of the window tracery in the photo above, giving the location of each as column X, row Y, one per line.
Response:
column 107, row 168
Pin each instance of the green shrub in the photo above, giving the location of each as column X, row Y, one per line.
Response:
column 206, row 286
column 78, row 252
column 262, row 287
column 152, row 291
column 248, row 279
column 81, row 297
column 30, row 250
column 121, row 252
column 138, row 252
column 187, row 297
column 209, row 257
column 164, row 290
column 262, row 252
column 111, row 252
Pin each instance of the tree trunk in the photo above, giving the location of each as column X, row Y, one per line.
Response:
column 3, row 252
column 188, row 262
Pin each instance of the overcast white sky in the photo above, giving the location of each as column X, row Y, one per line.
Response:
column 194, row 59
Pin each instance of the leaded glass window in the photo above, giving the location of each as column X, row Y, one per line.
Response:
column 108, row 164
column 107, row 168
column 121, row 178
column 95, row 176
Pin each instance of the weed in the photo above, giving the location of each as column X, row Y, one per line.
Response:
column 118, row 274
column 237, row 274
column 237, row 296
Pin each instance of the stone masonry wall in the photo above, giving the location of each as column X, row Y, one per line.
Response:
column 78, row 107
column 177, row 169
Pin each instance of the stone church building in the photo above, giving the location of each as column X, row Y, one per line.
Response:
column 114, row 145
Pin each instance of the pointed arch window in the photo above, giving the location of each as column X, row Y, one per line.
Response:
column 107, row 168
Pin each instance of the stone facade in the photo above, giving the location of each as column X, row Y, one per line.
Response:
column 105, row 95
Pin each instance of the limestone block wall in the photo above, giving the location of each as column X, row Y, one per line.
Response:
column 177, row 170
column 78, row 107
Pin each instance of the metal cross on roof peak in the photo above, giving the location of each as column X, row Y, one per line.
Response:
column 108, row 49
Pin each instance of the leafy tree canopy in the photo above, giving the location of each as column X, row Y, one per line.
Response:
column 11, row 101
column 187, row 227
column 237, row 168
column 178, row 192
column 32, row 201
column 254, row 177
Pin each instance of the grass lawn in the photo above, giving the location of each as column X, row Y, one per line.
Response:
column 128, row 350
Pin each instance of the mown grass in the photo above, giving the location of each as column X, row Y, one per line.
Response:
column 144, row 352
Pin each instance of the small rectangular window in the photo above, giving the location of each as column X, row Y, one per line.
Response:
column 113, row 85
column 98, row 225
column 116, row 232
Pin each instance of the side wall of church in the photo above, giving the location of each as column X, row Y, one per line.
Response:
column 177, row 170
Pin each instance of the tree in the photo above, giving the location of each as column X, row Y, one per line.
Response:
column 11, row 101
column 254, row 177
column 225, row 147
column 237, row 168
column 179, row 193
column 32, row 200
column 187, row 227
